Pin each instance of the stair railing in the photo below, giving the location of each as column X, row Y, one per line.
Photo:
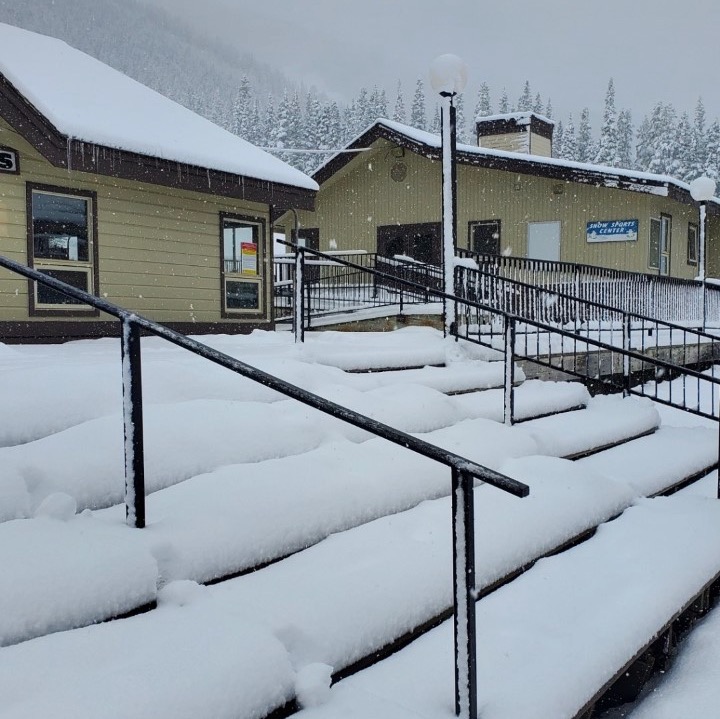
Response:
column 613, row 352
column 464, row 472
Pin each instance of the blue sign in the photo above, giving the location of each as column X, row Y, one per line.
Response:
column 612, row 231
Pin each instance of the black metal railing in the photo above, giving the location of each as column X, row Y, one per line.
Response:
column 668, row 298
column 463, row 471
column 617, row 351
column 330, row 286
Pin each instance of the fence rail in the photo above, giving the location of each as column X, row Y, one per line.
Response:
column 668, row 298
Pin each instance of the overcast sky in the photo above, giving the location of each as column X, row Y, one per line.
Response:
column 567, row 49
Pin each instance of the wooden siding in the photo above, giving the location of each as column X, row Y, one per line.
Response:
column 362, row 196
column 159, row 248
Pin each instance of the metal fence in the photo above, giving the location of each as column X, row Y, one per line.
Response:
column 668, row 298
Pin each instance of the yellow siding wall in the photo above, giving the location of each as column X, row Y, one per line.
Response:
column 362, row 196
column 158, row 248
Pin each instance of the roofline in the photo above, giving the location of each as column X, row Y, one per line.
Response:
column 515, row 162
column 65, row 152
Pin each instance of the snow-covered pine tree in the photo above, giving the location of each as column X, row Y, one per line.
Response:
column 436, row 125
column 558, row 139
column 242, row 109
column 311, row 136
column 362, row 112
column 585, row 146
column 656, row 140
column 569, row 146
column 699, row 153
column 483, row 108
column 712, row 151
column 538, row 106
column 625, row 139
column 525, row 101
column 460, row 124
column 349, row 121
column 681, row 165
column 549, row 110
column 377, row 106
column 607, row 150
column 399, row 113
column 257, row 134
column 504, row 104
column 280, row 130
column 418, row 113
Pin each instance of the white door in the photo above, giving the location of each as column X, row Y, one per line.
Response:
column 543, row 241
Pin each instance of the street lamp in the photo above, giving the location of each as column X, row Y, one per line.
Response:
column 702, row 189
column 448, row 77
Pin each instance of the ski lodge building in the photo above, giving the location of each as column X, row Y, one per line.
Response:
column 113, row 188
column 513, row 198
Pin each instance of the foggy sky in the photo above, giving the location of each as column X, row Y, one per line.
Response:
column 567, row 49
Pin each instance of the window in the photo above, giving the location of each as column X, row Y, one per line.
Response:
column 485, row 237
column 242, row 283
column 61, row 245
column 659, row 244
column 693, row 244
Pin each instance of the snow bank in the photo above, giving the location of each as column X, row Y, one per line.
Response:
column 58, row 575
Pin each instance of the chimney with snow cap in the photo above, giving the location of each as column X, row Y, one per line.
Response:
column 525, row 132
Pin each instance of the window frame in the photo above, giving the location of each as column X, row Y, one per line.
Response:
column 259, row 279
column 90, row 267
column 695, row 246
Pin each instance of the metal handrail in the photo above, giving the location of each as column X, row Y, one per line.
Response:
column 463, row 471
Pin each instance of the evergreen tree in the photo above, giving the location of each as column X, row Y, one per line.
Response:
column 625, row 139
column 569, row 146
column 242, row 109
column 699, row 152
column 377, row 106
column 538, row 106
column 436, row 126
column 257, row 131
column 549, row 110
column 525, row 101
column 585, row 151
column 656, row 140
column 460, row 124
column 558, row 139
column 399, row 114
column 681, row 165
column 418, row 112
column 483, row 108
column 504, row 104
column 311, row 137
column 712, row 151
column 607, row 151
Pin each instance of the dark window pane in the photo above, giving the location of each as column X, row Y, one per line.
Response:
column 486, row 238
column 60, row 227
column 48, row 296
column 242, row 295
column 654, row 247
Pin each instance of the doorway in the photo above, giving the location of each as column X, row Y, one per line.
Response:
column 422, row 242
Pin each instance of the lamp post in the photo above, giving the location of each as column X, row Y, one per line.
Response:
column 448, row 77
column 702, row 189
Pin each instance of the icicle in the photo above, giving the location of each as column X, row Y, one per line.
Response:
column 208, row 178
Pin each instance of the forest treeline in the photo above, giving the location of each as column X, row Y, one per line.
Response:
column 258, row 102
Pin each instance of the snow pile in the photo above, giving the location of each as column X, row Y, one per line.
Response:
column 69, row 572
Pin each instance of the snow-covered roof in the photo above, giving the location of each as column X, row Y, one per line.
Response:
column 89, row 101
column 604, row 175
column 521, row 118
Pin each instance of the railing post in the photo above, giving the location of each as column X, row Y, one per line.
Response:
column 626, row 358
column 464, row 594
column 509, row 407
column 133, row 425
column 298, row 287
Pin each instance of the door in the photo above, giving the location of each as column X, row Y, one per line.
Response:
column 543, row 241
column 665, row 244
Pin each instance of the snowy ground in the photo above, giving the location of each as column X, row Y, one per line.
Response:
column 239, row 476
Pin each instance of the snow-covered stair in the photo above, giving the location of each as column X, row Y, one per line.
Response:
column 551, row 641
